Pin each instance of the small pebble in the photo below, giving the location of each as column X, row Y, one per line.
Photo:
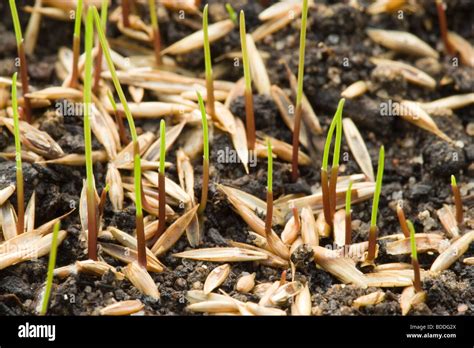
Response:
column 462, row 308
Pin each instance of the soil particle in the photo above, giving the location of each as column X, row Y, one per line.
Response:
column 442, row 158
column 15, row 285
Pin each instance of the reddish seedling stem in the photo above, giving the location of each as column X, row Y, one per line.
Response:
column 103, row 198
column 24, row 81
column 348, row 229
column 296, row 218
column 92, row 225
column 269, row 217
column 210, row 101
column 162, row 204
column 157, row 46
column 121, row 128
column 97, row 69
column 126, row 13
column 283, row 278
column 76, row 46
column 20, row 226
column 417, row 278
column 458, row 204
column 332, row 190
column 205, row 184
column 296, row 143
column 372, row 243
column 443, row 27
column 403, row 221
column 250, row 119
column 326, row 203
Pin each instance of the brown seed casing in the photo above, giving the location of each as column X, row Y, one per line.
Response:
column 372, row 243
column 402, row 220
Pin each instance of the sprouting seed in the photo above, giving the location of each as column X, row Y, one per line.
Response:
column 92, row 211
column 136, row 153
column 22, row 56
column 205, row 160
column 269, row 216
column 299, row 93
column 249, row 112
column 375, row 206
column 19, row 169
column 335, row 158
column 51, row 266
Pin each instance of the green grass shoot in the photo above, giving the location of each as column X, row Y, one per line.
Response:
column 16, row 23
column 245, row 55
column 153, row 16
column 337, row 144
column 453, row 181
column 378, row 187
column 208, row 64
column 304, row 19
column 327, row 145
column 348, row 198
column 19, row 168
column 411, row 228
column 77, row 19
column 162, row 146
column 51, row 266
column 205, row 164
column 231, row 12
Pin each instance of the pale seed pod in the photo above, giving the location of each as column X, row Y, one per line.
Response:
column 217, row 276
column 246, row 283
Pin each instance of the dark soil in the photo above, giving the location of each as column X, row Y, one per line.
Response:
column 417, row 165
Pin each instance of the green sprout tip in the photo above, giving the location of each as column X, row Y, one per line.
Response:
column 231, row 12
column 453, row 181
column 337, row 144
column 411, row 228
column 162, row 146
column 378, row 187
column 51, row 266
column 16, row 23
column 77, row 19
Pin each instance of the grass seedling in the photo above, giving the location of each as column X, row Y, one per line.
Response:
column 19, row 170
column 269, row 216
column 22, row 60
column 348, row 214
column 98, row 58
column 414, row 258
column 126, row 13
column 141, row 248
column 210, row 107
column 443, row 26
column 161, row 185
column 92, row 209
column 402, row 220
column 231, row 12
column 324, row 168
column 51, row 266
column 335, row 158
column 299, row 93
column 249, row 115
column 205, row 158
column 76, row 45
column 457, row 200
column 118, row 118
column 156, row 31
column 375, row 207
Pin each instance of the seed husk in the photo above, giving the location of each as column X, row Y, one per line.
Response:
column 6, row 192
column 409, row 298
column 302, row 302
column 239, row 140
column 8, row 219
column 114, row 180
column 246, row 283
column 223, row 254
column 410, row 73
column 140, row 278
column 216, row 277
column 389, row 279
column 402, row 42
column 291, row 231
column 174, row 232
column 257, row 68
column 452, row 102
column 273, row 25
column 448, row 220
column 122, row 308
column 98, row 268
column 465, row 49
column 278, row 10
column 216, row 306
column 355, row 90
column 172, row 134
column 129, row 255
column 358, row 148
column 425, row 242
column 369, row 300
column 309, row 233
column 196, row 40
column 453, row 252
column 261, row 310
